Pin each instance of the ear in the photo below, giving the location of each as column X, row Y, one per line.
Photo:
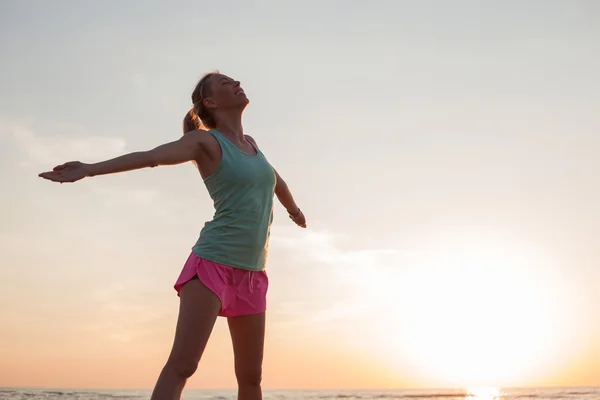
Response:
column 209, row 103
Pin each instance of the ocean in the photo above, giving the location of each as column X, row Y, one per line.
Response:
column 489, row 394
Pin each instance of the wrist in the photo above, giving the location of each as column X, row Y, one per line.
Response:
column 296, row 213
column 89, row 170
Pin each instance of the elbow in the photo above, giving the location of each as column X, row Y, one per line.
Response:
column 149, row 158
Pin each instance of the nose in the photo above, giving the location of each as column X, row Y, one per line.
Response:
column 236, row 83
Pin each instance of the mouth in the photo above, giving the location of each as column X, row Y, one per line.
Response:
column 240, row 92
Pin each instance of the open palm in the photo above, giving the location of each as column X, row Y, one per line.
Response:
column 68, row 172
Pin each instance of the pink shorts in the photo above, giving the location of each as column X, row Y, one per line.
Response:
column 242, row 292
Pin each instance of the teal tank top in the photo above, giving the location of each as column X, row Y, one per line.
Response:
column 242, row 190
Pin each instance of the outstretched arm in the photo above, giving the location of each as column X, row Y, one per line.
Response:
column 187, row 148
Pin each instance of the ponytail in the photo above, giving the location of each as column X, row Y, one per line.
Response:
column 200, row 117
column 191, row 122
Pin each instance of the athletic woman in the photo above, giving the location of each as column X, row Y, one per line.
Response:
column 225, row 273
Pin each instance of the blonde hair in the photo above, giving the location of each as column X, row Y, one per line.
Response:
column 198, row 116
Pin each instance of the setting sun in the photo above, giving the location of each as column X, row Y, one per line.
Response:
column 474, row 312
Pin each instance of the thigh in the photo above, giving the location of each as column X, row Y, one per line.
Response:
column 198, row 311
column 248, row 338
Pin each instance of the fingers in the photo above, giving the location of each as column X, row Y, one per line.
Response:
column 51, row 176
column 47, row 175
column 299, row 220
column 67, row 172
column 65, row 165
column 54, row 176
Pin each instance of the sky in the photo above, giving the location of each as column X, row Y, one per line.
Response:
column 444, row 154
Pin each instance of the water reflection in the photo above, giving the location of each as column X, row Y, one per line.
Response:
column 483, row 393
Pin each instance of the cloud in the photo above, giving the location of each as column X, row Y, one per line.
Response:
column 65, row 142
column 325, row 247
column 59, row 143
column 343, row 271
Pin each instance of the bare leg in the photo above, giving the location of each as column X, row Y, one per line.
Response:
column 248, row 337
column 198, row 311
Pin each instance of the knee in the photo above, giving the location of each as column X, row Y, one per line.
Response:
column 182, row 367
column 249, row 377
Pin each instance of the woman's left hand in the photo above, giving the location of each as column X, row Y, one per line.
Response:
column 299, row 219
column 68, row 172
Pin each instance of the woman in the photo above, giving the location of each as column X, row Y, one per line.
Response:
column 224, row 274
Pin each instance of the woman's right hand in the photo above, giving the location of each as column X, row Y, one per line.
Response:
column 68, row 172
column 299, row 218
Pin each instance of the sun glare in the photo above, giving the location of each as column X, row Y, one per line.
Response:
column 483, row 393
column 472, row 314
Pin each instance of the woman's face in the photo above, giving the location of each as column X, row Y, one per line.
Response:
column 225, row 93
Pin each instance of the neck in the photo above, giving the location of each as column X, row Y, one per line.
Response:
column 230, row 125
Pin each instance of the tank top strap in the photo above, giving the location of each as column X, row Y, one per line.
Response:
column 226, row 145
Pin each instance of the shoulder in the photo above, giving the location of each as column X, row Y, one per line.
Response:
column 204, row 141
column 251, row 140
column 199, row 136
